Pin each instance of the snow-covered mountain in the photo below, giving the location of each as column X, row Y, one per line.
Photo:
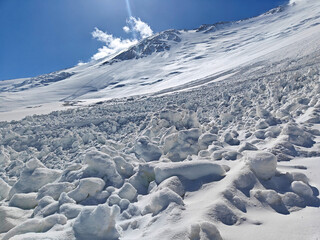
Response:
column 211, row 133
column 173, row 58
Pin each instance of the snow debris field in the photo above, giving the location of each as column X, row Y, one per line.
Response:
column 211, row 133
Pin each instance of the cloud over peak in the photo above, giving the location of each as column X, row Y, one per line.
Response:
column 113, row 45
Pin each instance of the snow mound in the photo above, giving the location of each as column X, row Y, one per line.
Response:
column 263, row 164
column 24, row 200
column 36, row 225
column 204, row 230
column 101, row 165
column 34, row 176
column 188, row 170
column 11, row 217
column 160, row 200
column 4, row 189
column 97, row 223
column 301, row 189
column 88, row 187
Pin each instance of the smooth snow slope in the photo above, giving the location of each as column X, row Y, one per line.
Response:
column 226, row 153
column 171, row 59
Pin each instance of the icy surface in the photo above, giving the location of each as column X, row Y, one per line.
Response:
column 211, row 133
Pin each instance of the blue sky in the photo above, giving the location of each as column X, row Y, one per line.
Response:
column 41, row 36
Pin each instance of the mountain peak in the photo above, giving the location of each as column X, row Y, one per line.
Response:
column 157, row 43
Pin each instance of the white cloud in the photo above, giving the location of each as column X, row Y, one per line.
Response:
column 126, row 29
column 114, row 45
column 140, row 27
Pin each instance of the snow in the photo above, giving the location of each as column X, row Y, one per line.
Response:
column 263, row 164
column 210, row 133
column 189, row 170
column 87, row 187
column 24, row 200
column 97, row 223
column 301, row 189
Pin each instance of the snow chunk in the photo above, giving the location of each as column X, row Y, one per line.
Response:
column 24, row 200
column 33, row 177
column 4, row 157
column 247, row 146
column 204, row 230
column 141, row 179
column 97, row 223
column 269, row 196
column 177, row 146
column 263, row 164
column 70, row 210
column 36, row 225
column 54, row 190
column 101, row 165
column 147, row 150
column 228, row 138
column 64, row 198
column 188, row 170
column 86, row 188
column 292, row 201
column 128, row 192
column 160, row 200
column 174, row 184
column 223, row 213
column 4, row 189
column 124, row 168
column 47, row 210
column 206, row 139
column 11, row 217
column 298, row 136
column 301, row 189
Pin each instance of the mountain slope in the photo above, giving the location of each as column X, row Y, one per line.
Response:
column 172, row 59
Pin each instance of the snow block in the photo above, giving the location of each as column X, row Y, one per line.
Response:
column 269, row 196
column 88, row 187
column 33, row 177
column 124, row 168
column 263, row 164
column 160, row 200
column 11, row 217
column 174, row 184
column 188, row 170
column 298, row 136
column 221, row 212
column 301, row 189
column 36, row 225
column 177, row 146
column 128, row 192
column 204, row 230
column 247, row 146
column 293, row 201
column 4, row 189
column 228, row 138
column 24, row 200
column 206, row 139
column 70, row 210
column 147, row 150
column 4, row 157
column 100, row 165
column 97, row 223
column 54, row 190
